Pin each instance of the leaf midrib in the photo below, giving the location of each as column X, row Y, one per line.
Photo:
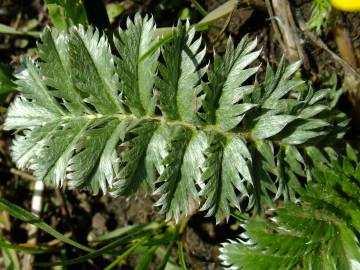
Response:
column 68, row 148
column 106, row 86
column 35, row 75
column 162, row 120
column 78, row 97
column 216, row 104
column 137, row 63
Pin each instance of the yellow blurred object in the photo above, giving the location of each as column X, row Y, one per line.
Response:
column 346, row 5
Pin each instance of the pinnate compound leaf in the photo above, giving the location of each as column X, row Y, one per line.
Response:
column 321, row 232
column 198, row 136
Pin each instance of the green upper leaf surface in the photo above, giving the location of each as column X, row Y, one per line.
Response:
column 133, row 118
column 320, row 232
column 180, row 76
column 137, row 76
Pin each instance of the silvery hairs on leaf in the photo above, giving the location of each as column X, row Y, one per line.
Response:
column 109, row 119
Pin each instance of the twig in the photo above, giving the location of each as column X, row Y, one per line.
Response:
column 344, row 43
column 22, row 174
column 287, row 31
column 300, row 49
column 318, row 42
column 221, row 32
column 274, row 24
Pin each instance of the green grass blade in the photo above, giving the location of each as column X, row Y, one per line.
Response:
column 8, row 30
column 146, row 258
column 128, row 230
column 171, row 264
column 106, row 249
column 199, row 8
column 125, row 254
column 11, row 261
column 168, row 250
column 166, row 33
column 181, row 256
column 20, row 213
column 25, row 249
column 216, row 14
